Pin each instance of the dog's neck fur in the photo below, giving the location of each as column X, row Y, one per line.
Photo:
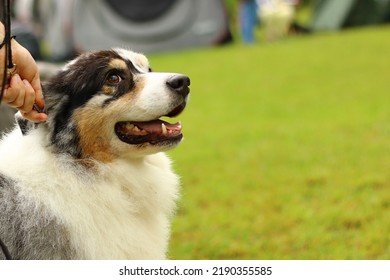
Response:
column 107, row 211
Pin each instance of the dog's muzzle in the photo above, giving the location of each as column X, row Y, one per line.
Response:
column 158, row 132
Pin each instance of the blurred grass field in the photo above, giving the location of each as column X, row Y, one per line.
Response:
column 287, row 149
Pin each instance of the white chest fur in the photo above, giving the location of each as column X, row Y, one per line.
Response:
column 121, row 211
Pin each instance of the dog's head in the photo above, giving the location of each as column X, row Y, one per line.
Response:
column 109, row 104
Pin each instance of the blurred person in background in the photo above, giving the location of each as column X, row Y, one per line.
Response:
column 277, row 17
column 248, row 20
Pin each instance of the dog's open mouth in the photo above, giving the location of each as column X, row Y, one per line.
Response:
column 153, row 132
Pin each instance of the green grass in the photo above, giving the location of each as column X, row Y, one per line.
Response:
column 287, row 149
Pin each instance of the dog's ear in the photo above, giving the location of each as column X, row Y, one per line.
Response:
column 24, row 125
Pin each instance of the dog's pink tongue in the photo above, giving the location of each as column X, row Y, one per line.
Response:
column 157, row 126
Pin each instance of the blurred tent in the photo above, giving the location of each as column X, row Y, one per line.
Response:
column 142, row 25
column 149, row 25
column 337, row 14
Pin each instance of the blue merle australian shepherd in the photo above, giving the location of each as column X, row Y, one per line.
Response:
column 93, row 182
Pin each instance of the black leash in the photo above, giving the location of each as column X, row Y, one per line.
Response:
column 8, row 65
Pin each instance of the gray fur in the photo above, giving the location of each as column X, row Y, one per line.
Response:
column 27, row 229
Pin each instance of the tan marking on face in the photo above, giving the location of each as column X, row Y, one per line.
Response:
column 94, row 135
column 117, row 63
column 139, row 84
column 107, row 90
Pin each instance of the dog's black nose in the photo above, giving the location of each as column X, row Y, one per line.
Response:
column 180, row 84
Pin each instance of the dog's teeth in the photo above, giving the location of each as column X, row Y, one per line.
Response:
column 164, row 129
column 129, row 126
column 132, row 127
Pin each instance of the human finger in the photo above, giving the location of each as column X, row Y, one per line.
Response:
column 35, row 116
column 29, row 98
column 14, row 94
column 36, row 85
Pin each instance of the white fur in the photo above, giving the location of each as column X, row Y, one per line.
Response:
column 155, row 99
column 120, row 211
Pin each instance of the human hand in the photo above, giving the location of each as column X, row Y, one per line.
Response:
column 21, row 95
column 24, row 88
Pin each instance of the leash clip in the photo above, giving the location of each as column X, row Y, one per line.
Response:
column 11, row 71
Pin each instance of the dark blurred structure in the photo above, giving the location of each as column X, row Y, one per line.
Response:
column 66, row 27
column 336, row 14
column 150, row 25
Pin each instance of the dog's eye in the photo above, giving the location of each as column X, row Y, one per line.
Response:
column 113, row 79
